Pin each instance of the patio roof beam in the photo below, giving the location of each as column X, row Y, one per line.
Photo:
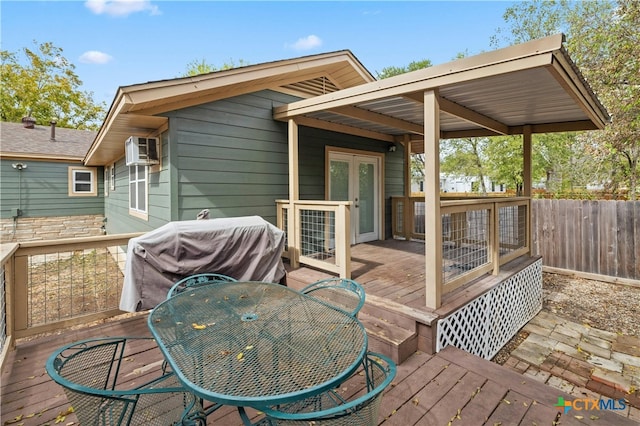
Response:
column 569, row 77
column 366, row 115
column 342, row 128
column 472, row 116
column 467, row 114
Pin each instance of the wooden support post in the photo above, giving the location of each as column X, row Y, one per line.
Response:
column 494, row 237
column 432, row 216
column 527, row 183
column 294, row 195
column 342, row 240
column 408, row 207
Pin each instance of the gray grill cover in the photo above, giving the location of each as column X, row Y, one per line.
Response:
column 245, row 248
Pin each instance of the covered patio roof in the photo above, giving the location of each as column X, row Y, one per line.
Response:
column 533, row 84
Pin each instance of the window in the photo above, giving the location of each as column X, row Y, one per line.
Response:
column 106, row 181
column 82, row 182
column 138, row 191
column 112, row 178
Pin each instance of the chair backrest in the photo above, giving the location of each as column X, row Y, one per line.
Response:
column 193, row 281
column 331, row 408
column 343, row 293
column 89, row 372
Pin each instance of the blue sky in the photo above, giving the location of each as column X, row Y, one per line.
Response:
column 117, row 43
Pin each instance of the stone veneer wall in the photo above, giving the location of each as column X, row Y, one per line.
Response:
column 50, row 228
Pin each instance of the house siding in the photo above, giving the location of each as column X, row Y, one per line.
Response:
column 159, row 206
column 231, row 157
column 41, row 190
column 312, row 167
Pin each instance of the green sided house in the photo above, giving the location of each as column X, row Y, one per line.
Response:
column 320, row 148
column 46, row 191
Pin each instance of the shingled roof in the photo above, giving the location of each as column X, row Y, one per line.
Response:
column 20, row 142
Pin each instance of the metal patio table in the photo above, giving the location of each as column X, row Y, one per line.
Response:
column 255, row 344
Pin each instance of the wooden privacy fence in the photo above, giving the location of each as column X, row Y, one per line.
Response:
column 598, row 237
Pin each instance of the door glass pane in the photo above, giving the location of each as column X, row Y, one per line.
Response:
column 366, row 197
column 339, row 181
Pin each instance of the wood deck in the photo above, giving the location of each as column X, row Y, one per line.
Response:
column 395, row 270
column 428, row 390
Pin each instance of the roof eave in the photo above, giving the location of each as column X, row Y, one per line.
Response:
column 157, row 97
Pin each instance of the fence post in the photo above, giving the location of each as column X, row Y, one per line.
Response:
column 343, row 240
column 19, row 301
column 494, row 237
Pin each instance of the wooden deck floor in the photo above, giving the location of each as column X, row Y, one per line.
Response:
column 451, row 386
column 395, row 270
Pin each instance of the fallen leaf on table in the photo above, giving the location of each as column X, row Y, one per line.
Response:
column 197, row 326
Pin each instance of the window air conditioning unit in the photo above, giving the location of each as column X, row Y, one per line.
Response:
column 141, row 151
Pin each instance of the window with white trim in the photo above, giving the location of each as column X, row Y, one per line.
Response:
column 82, row 182
column 112, row 177
column 138, row 189
column 106, row 181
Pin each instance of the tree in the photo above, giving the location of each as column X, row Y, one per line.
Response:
column 46, row 88
column 608, row 48
column 531, row 20
column 465, row 157
column 604, row 41
column 413, row 66
column 201, row 66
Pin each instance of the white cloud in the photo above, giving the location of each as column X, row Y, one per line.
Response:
column 95, row 57
column 121, row 7
column 306, row 43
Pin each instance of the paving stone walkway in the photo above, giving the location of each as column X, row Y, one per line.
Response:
column 582, row 361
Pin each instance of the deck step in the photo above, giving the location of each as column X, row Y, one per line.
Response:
column 388, row 338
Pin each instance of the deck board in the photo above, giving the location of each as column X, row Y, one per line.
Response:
column 428, row 389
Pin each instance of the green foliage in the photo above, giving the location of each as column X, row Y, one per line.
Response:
column 201, row 66
column 465, row 157
column 46, row 88
column 413, row 66
column 604, row 41
column 417, row 168
column 530, row 20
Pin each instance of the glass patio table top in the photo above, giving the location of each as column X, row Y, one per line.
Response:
column 256, row 344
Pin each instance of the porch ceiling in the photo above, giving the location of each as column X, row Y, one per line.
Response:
column 494, row 93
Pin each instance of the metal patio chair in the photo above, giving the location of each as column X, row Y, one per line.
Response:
column 331, row 409
column 343, row 293
column 90, row 372
column 197, row 280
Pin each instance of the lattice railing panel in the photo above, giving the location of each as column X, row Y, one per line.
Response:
column 483, row 326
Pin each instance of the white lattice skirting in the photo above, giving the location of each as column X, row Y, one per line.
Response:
column 483, row 326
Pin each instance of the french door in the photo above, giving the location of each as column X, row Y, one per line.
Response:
column 355, row 178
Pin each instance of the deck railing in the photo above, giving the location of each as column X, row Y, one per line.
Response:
column 478, row 235
column 54, row 284
column 320, row 231
column 6, row 311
